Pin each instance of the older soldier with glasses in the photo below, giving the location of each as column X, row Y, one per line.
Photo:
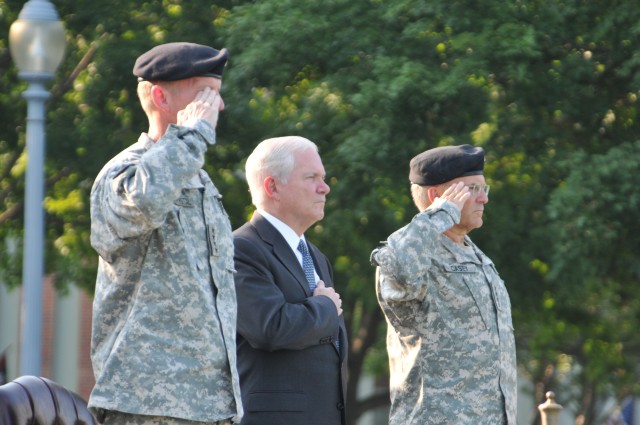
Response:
column 450, row 337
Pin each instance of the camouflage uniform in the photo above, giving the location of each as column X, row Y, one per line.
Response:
column 119, row 418
column 164, row 312
column 450, row 336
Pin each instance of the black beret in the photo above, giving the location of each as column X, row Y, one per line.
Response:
column 443, row 164
column 178, row 61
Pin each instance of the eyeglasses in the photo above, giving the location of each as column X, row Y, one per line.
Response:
column 475, row 189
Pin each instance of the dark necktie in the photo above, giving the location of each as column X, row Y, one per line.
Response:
column 307, row 265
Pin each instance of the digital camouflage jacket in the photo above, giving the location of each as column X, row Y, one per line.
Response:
column 450, row 337
column 164, row 312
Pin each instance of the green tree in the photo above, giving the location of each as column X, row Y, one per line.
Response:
column 549, row 89
column 376, row 83
column 93, row 113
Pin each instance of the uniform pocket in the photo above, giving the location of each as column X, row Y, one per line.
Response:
column 460, row 302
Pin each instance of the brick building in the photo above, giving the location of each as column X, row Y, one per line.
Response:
column 66, row 336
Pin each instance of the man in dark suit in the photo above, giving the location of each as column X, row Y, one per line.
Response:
column 292, row 342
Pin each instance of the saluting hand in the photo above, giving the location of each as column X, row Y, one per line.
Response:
column 458, row 193
column 206, row 106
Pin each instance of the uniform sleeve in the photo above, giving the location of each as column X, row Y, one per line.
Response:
column 404, row 260
column 132, row 197
column 266, row 318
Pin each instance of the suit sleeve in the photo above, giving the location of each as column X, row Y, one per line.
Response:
column 268, row 318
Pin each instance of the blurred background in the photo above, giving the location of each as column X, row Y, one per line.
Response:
column 549, row 90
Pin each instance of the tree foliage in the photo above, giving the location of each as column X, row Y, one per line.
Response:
column 549, row 89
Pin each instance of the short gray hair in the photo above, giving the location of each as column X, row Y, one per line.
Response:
column 144, row 94
column 420, row 196
column 276, row 158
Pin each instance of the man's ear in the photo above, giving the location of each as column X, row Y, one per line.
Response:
column 159, row 97
column 270, row 187
column 432, row 193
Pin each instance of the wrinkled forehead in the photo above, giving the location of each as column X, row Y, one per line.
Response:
column 308, row 161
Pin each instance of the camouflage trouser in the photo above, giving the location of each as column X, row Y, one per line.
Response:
column 118, row 418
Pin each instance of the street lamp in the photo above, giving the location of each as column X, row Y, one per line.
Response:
column 37, row 44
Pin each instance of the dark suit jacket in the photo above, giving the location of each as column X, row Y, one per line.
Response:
column 291, row 372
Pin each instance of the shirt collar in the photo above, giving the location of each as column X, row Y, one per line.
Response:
column 287, row 232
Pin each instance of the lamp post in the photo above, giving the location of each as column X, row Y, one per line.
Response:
column 37, row 44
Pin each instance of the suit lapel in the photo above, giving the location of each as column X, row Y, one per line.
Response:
column 325, row 274
column 320, row 266
column 281, row 250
